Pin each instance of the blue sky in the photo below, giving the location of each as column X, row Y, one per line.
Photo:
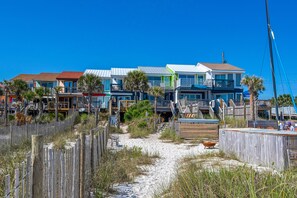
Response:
column 55, row 36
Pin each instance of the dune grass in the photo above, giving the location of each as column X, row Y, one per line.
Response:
column 119, row 167
column 194, row 180
column 171, row 136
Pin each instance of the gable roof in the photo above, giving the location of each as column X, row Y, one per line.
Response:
column 69, row 75
column 46, row 76
column 184, row 68
column 99, row 72
column 221, row 66
column 25, row 77
column 154, row 70
column 121, row 71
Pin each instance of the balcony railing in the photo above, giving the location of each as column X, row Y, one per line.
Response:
column 116, row 87
column 222, row 84
column 70, row 90
column 154, row 83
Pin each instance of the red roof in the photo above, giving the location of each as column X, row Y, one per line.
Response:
column 46, row 76
column 25, row 77
column 69, row 75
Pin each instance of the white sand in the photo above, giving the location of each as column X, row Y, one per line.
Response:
column 162, row 172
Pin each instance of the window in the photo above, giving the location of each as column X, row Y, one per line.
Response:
column 106, row 85
column 190, row 96
column 200, row 79
column 154, row 80
column 220, row 76
column 187, row 80
column 167, row 81
column 238, row 96
column 230, row 76
column 238, row 79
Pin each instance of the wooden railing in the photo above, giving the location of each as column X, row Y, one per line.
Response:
column 125, row 104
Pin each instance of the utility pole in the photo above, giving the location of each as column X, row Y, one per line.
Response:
column 271, row 60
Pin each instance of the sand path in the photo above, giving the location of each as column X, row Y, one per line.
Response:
column 162, row 172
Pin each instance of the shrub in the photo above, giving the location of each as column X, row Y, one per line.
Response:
column 115, row 130
column 141, row 128
column 171, row 135
column 139, row 110
column 234, row 122
column 84, row 118
column 119, row 167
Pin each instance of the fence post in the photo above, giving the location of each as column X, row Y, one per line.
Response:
column 27, row 131
column 37, row 165
column 96, row 116
column 244, row 111
column 92, row 150
column 82, row 165
column 10, row 132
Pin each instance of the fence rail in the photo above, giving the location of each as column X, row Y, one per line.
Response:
column 62, row 174
column 13, row 135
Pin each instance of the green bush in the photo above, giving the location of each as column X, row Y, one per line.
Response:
column 139, row 110
column 84, row 118
column 141, row 127
column 171, row 135
column 11, row 117
column 115, row 130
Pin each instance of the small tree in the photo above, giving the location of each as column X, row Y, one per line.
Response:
column 28, row 96
column 156, row 92
column 7, row 90
column 136, row 81
column 255, row 86
column 90, row 83
column 57, row 90
column 40, row 92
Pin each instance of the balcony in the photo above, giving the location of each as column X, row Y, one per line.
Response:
column 154, row 83
column 116, row 87
column 191, row 84
column 222, row 84
column 70, row 90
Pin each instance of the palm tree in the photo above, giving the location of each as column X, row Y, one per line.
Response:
column 255, row 86
column 40, row 92
column 136, row 81
column 90, row 83
column 28, row 96
column 7, row 89
column 57, row 90
column 156, row 92
column 19, row 87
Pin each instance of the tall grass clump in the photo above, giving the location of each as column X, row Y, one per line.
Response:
column 141, row 127
column 119, row 167
column 195, row 180
column 234, row 122
column 169, row 134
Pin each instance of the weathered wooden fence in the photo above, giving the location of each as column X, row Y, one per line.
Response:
column 13, row 135
column 260, row 146
column 65, row 173
column 197, row 128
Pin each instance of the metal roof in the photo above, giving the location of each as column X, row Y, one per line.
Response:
column 99, row 72
column 154, row 70
column 184, row 68
column 221, row 66
column 121, row 71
